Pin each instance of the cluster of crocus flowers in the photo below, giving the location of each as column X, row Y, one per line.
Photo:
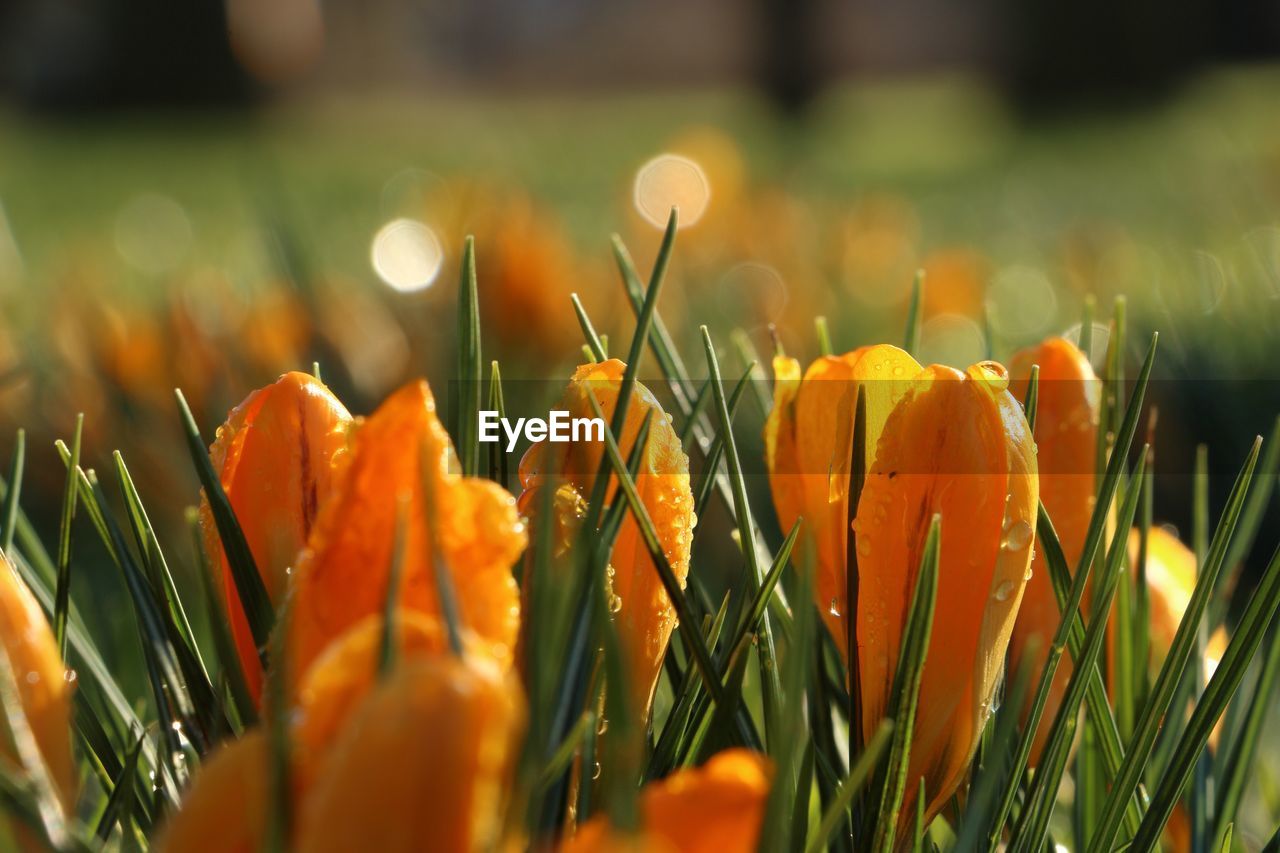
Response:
column 639, row 603
column 295, row 465
column 34, row 668
column 1066, row 434
column 938, row 441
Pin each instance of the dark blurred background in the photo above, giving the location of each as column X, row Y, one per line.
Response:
column 74, row 55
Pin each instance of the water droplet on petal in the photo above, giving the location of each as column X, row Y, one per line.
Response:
column 1003, row 590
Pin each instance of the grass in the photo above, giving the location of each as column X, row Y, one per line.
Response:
column 160, row 683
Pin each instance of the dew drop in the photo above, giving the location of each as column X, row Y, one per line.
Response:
column 1003, row 591
column 602, row 726
column 33, row 677
column 1017, row 535
column 595, row 772
column 833, row 608
column 615, row 603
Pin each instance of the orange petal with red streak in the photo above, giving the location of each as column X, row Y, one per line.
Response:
column 278, row 456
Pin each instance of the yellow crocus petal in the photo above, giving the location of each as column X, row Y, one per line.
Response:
column 1066, row 436
column 809, row 441
column 642, row 610
column 423, row 763
column 278, row 457
column 342, row 574
column 716, row 808
column 956, row 444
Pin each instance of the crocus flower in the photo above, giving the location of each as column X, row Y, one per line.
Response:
column 640, row 605
column 956, row 444
column 808, row 445
column 1171, row 577
column 716, row 808
column 1066, row 435
column 278, row 456
column 348, row 670
column 423, row 763
column 225, row 809
column 401, row 456
column 39, row 676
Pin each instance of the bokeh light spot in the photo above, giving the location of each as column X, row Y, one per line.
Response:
column 753, row 293
column 406, row 254
column 152, row 233
column 668, row 181
column 952, row 339
column 1098, row 345
column 1023, row 301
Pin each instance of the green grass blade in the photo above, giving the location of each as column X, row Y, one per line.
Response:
column 388, row 651
column 499, row 470
column 751, row 363
column 915, row 308
column 1031, row 403
column 905, row 694
column 1087, row 311
column 677, row 376
column 9, row 511
column 770, row 680
column 1244, row 645
column 254, row 599
column 276, row 836
column 594, row 344
column 785, row 747
column 220, row 626
column 824, row 335
column 1001, row 771
column 1033, row 828
column 689, row 691
column 120, row 804
column 1052, row 552
column 1241, row 753
column 687, row 622
column 470, row 364
column 849, row 788
column 62, row 596
column 1255, row 507
column 1175, row 663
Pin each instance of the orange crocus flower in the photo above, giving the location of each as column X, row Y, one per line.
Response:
column 1066, row 435
column 278, row 457
column 225, row 809
column 716, row 808
column 423, row 762
column 347, row 671
column 641, row 607
column 808, row 445
column 472, row 524
column 1171, row 577
column 955, row 444
column 39, row 677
